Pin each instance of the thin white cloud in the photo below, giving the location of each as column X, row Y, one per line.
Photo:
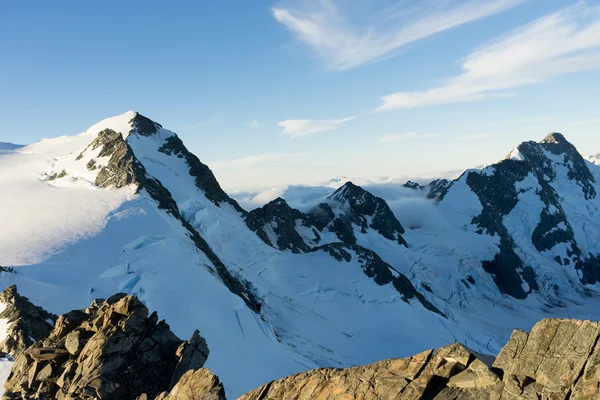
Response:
column 565, row 42
column 304, row 127
column 405, row 136
column 262, row 160
column 344, row 42
column 254, row 124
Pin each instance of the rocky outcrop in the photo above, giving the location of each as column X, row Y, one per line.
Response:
column 277, row 224
column 356, row 207
column 453, row 368
column 437, row 188
column 25, row 322
column 558, row 359
column 195, row 385
column 112, row 350
column 548, row 171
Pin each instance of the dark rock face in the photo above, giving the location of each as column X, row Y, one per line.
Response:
column 111, row 350
column 28, row 323
column 205, row 179
column 279, row 217
column 498, row 193
column 361, row 209
column 434, row 189
column 437, row 188
column 558, row 359
column 378, row 270
column 144, row 126
column 413, row 185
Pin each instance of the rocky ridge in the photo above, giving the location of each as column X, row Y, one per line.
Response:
column 112, row 350
column 558, row 359
column 26, row 322
column 538, row 168
column 115, row 350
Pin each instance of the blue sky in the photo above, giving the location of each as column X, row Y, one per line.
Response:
column 298, row 91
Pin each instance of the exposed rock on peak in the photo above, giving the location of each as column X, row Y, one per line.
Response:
column 544, row 170
column 413, row 185
column 434, row 190
column 26, row 323
column 279, row 226
column 437, row 188
column 356, row 206
column 555, row 137
column 111, row 350
column 144, row 126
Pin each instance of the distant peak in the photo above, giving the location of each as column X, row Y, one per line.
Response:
column 555, row 137
column 278, row 203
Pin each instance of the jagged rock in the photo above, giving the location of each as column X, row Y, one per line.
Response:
column 422, row 376
column 111, row 350
column 27, row 323
column 196, row 385
column 192, row 356
column 536, row 168
column 280, row 221
column 558, row 359
column 357, row 208
column 437, row 188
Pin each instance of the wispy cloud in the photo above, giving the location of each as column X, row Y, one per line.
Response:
column 304, row 127
column 254, row 124
column 344, row 42
column 565, row 42
column 399, row 137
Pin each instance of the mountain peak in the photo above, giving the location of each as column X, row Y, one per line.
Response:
column 143, row 125
column 364, row 210
column 347, row 191
column 555, row 137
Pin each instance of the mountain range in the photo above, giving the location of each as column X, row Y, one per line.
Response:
column 352, row 278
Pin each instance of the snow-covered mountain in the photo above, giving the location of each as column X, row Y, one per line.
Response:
column 352, row 279
column 595, row 159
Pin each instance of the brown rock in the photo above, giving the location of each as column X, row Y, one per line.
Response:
column 111, row 350
column 196, row 385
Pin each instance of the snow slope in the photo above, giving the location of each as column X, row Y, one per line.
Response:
column 71, row 240
column 125, row 207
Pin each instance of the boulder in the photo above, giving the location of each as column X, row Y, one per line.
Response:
column 558, row 360
column 111, row 350
column 196, row 385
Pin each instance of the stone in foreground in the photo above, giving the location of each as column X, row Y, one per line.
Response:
column 111, row 350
